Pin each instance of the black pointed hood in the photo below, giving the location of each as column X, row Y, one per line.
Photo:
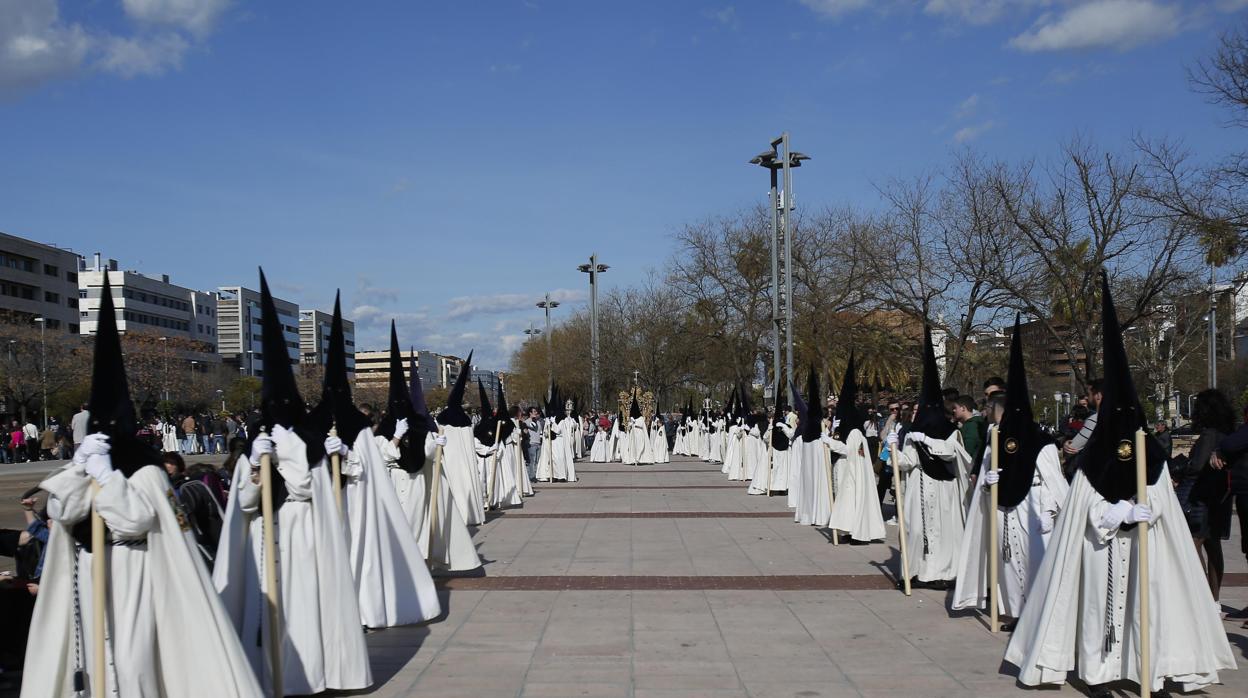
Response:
column 336, row 409
column 280, row 402
column 487, row 425
column 559, row 409
column 417, row 393
column 110, row 407
column 802, row 409
column 399, row 406
column 930, row 417
column 503, row 413
column 634, row 410
column 779, row 439
column 1020, row 438
column 812, row 426
column 847, row 403
column 1108, row 459
column 454, row 414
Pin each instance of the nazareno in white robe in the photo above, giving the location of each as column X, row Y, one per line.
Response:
column 1064, row 624
column 753, row 452
column 814, row 505
column 389, row 569
column 1021, row 532
column 459, row 467
column 678, row 445
column 506, row 492
column 598, row 451
column 169, row 634
column 638, row 440
column 856, row 509
column 658, row 445
column 452, row 547
column 934, row 509
column 322, row 635
column 781, row 465
column 565, row 460
column 734, row 453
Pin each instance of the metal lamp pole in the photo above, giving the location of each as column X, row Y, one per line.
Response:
column 548, row 305
column 43, row 368
column 780, row 161
column 593, row 269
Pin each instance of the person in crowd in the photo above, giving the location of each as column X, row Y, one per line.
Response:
column 200, row 504
column 47, row 443
column 17, row 443
column 78, row 424
column 1076, row 444
column 30, row 437
column 1203, row 484
column 994, row 385
column 974, row 429
column 1161, row 431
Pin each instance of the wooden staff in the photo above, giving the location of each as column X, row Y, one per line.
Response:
column 1141, row 497
column 435, row 485
column 827, row 458
column 771, row 454
column 492, row 487
column 99, row 598
column 993, row 542
column 901, row 518
column 519, row 466
column 271, row 595
column 335, row 462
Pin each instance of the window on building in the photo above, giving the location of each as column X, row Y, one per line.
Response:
column 74, row 328
column 17, row 261
column 71, row 276
column 51, row 270
column 51, row 297
column 71, row 302
column 16, row 290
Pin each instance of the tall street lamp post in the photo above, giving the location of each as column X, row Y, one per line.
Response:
column 780, row 161
column 548, row 305
column 43, row 366
column 593, row 269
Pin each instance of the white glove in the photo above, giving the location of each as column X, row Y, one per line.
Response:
column 835, row 423
column 100, row 467
column 892, row 441
column 333, row 445
column 914, row 437
column 1140, row 513
column 262, row 446
column 93, row 445
column 400, row 428
column 992, row 477
column 440, row 440
column 1116, row 514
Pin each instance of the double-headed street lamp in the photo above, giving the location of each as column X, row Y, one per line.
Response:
column 780, row 160
column 593, row 269
column 548, row 305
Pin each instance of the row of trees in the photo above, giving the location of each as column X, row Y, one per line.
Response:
column 964, row 248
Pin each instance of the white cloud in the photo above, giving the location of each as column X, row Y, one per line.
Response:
column 37, row 45
column 1118, row 24
column 836, row 8
column 970, row 133
column 967, row 107
column 726, row 16
column 972, row 11
column 198, row 17
column 131, row 57
column 464, row 307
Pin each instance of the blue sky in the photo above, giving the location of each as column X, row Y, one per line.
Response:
column 447, row 163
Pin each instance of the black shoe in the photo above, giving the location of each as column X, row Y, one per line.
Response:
column 1008, row 627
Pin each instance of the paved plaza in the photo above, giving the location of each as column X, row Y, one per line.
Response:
column 670, row 581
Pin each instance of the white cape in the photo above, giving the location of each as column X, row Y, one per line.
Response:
column 394, row 583
column 1061, row 628
column 188, row 645
column 323, row 637
column 1023, row 534
column 857, row 507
